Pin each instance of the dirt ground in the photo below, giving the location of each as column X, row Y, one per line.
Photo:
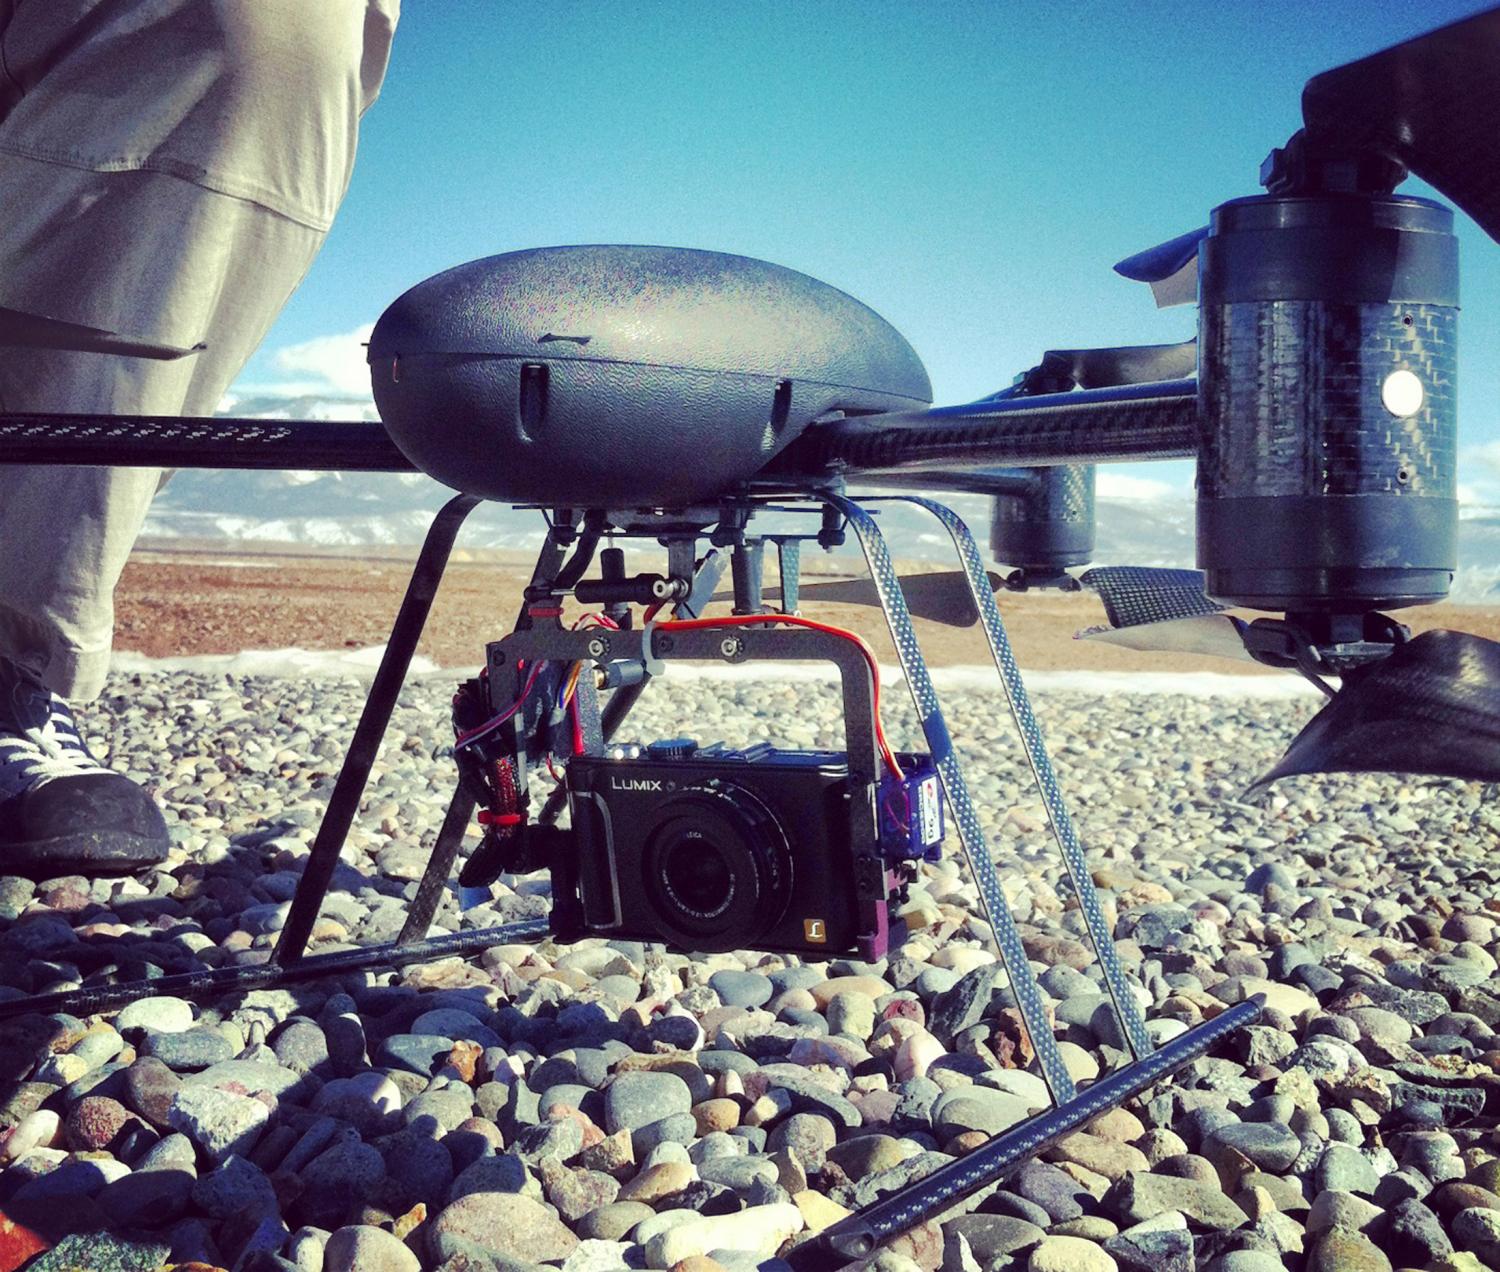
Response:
column 212, row 599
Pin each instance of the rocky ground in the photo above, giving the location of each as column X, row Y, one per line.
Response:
column 611, row 1105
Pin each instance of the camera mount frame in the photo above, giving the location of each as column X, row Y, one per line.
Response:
column 743, row 645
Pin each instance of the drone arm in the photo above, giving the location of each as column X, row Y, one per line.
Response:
column 1131, row 422
column 129, row 441
column 1018, row 482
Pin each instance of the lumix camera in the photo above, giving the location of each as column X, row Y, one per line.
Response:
column 705, row 848
column 715, row 849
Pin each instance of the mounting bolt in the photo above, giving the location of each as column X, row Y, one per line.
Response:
column 731, row 647
column 598, row 647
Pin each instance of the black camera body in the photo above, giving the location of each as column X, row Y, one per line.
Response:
column 713, row 849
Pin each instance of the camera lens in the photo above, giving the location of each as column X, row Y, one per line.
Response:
column 697, row 876
column 717, row 870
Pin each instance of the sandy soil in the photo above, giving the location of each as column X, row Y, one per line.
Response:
column 212, row 600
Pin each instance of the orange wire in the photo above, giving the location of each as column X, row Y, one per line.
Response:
column 743, row 620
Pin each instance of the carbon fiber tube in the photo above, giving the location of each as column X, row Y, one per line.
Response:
column 1133, row 422
column 88, row 999
column 145, row 441
column 1019, row 482
column 349, row 786
column 857, row 1236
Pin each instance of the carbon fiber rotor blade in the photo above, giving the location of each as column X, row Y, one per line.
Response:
column 939, row 597
column 1161, row 611
column 1210, row 635
column 1432, row 706
column 1431, row 103
column 1134, row 594
column 1126, row 364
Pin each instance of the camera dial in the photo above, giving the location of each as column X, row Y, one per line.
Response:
column 716, row 870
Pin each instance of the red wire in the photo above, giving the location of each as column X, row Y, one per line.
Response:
column 745, row 620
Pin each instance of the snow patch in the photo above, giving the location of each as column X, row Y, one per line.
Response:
column 298, row 664
column 361, row 664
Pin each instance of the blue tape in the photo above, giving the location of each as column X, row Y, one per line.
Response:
column 936, row 732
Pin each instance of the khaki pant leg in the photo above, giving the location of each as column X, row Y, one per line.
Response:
column 65, row 533
column 109, row 228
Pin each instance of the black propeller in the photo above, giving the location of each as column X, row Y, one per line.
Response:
column 1432, row 706
column 1064, row 369
column 1431, row 104
column 1171, row 268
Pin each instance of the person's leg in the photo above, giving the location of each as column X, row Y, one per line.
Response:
column 186, row 237
column 65, row 533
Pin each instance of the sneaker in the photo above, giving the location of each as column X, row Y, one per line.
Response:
column 61, row 811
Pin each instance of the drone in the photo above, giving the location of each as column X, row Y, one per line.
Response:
column 670, row 399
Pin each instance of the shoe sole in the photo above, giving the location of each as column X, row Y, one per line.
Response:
column 95, row 853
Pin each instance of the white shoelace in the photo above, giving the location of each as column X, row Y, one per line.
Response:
column 39, row 739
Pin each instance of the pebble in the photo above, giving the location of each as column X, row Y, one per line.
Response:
column 189, row 1050
column 342, row 1176
column 635, row 1100
column 1069, row 1254
column 218, row 1122
column 491, row 1226
column 656, row 1182
column 161, row 1014
column 95, row 1121
column 746, row 1079
column 759, row 1229
column 742, row 989
column 235, row 1188
column 361, row 1248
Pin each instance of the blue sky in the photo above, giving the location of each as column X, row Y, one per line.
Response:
column 970, row 170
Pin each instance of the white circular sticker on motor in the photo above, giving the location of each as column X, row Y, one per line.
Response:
column 1402, row 394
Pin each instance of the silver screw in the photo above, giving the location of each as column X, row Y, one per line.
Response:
column 731, row 646
column 598, row 647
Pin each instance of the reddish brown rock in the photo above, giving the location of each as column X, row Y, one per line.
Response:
column 464, row 1058
column 18, row 1244
column 94, row 1122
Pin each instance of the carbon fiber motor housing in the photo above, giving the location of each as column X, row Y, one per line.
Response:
column 1052, row 526
column 624, row 376
column 1327, row 467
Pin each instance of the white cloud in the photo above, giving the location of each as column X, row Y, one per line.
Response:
column 1486, row 453
column 1108, row 485
column 1479, row 466
column 327, row 364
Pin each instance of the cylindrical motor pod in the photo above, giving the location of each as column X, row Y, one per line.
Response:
column 1327, row 475
column 1052, row 526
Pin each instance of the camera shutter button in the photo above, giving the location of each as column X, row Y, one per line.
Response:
column 672, row 749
